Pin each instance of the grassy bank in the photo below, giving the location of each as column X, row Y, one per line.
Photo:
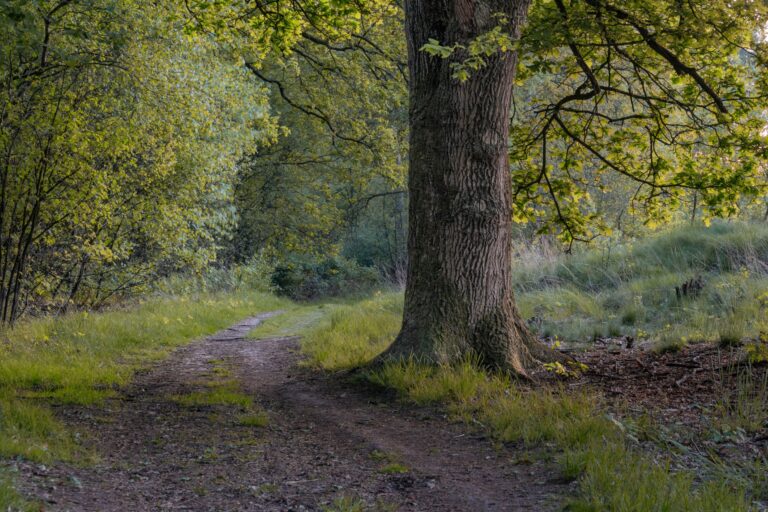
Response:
column 630, row 289
column 83, row 358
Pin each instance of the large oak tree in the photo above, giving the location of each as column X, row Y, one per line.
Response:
column 462, row 58
column 665, row 95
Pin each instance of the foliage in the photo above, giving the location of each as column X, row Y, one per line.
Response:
column 305, row 278
column 623, row 98
column 119, row 137
column 249, row 276
column 341, row 108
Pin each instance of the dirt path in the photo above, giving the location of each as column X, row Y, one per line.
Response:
column 325, row 440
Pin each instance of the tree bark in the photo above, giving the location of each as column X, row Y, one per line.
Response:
column 459, row 297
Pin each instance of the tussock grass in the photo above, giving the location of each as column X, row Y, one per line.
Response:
column 83, row 358
column 630, row 289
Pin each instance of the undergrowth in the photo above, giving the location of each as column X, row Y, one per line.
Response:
column 629, row 290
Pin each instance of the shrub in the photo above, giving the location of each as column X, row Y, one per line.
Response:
column 302, row 278
column 253, row 275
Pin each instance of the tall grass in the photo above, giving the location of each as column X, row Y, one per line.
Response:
column 630, row 289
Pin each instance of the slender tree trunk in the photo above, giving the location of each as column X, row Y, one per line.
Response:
column 459, row 297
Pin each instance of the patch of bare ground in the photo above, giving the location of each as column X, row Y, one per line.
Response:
column 704, row 405
column 326, row 439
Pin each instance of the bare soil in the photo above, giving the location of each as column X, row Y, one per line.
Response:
column 326, row 439
column 689, row 396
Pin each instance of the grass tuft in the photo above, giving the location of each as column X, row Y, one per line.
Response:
column 258, row 419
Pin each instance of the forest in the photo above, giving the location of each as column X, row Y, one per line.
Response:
column 382, row 255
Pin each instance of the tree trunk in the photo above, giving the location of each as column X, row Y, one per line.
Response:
column 459, row 297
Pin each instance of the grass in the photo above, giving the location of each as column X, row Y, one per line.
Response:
column 30, row 430
column 394, row 468
column 746, row 407
column 10, row 500
column 613, row 472
column 629, row 290
column 350, row 335
column 83, row 358
column 346, row 503
column 224, row 394
column 223, row 391
column 294, row 321
column 257, row 419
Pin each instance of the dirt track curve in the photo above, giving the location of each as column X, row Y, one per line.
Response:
column 326, row 439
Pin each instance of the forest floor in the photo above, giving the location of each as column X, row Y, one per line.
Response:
column 231, row 423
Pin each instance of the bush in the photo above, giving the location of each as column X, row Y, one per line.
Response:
column 251, row 276
column 301, row 278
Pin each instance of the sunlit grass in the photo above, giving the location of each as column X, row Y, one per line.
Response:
column 351, row 335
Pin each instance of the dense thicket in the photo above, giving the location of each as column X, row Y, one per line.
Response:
column 119, row 136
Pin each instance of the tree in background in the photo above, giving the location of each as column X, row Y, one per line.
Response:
column 118, row 136
column 341, row 104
